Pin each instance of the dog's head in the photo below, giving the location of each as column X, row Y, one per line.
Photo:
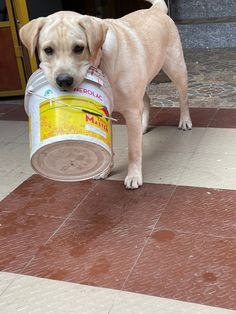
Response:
column 68, row 44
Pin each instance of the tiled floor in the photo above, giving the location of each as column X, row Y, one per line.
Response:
column 94, row 247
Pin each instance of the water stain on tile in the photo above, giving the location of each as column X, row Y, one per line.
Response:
column 209, row 277
column 201, row 210
column 100, row 242
column 101, row 266
column 17, row 223
column 95, row 228
column 78, row 250
column 42, row 196
column 163, row 235
column 191, row 267
column 58, row 274
column 11, row 224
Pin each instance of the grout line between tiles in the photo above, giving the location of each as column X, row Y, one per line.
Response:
column 61, row 225
column 193, row 153
column 212, row 118
column 10, row 283
column 140, row 253
column 72, row 212
column 28, row 263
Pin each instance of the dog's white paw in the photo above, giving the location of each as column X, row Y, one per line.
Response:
column 133, row 182
column 185, row 125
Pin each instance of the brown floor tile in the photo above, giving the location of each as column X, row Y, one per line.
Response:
column 120, row 206
column 5, row 108
column 166, row 116
column 17, row 114
column 101, row 248
column 20, row 237
column 92, row 253
column 191, row 253
column 201, row 211
column 201, row 117
column 225, row 118
column 193, row 268
column 154, row 111
column 108, row 238
column 40, row 196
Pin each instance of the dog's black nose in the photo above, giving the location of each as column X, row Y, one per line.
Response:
column 64, row 80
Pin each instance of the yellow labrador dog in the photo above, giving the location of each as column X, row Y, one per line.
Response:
column 130, row 51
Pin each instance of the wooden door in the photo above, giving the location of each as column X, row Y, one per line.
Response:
column 12, row 77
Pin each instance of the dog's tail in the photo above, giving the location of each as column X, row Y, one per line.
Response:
column 160, row 3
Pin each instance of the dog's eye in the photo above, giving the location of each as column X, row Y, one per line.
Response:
column 78, row 49
column 49, row 51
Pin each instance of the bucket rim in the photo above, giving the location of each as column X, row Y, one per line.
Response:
column 38, row 77
column 105, row 163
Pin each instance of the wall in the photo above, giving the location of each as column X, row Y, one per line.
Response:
column 37, row 8
column 205, row 23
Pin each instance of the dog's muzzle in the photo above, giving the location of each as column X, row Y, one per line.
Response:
column 64, row 80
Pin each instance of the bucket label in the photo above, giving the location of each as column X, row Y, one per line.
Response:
column 74, row 115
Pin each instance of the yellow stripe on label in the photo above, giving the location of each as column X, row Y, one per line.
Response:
column 58, row 119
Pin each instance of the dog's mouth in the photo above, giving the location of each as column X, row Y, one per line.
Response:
column 67, row 89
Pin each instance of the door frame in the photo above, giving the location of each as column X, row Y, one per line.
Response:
column 21, row 15
column 17, row 17
column 11, row 24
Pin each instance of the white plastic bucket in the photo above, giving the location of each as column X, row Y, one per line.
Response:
column 70, row 132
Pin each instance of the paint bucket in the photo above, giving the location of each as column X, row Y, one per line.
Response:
column 70, row 132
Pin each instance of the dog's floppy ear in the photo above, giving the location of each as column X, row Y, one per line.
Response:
column 95, row 31
column 29, row 33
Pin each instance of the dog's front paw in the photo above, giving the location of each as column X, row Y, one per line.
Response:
column 133, row 182
column 185, row 125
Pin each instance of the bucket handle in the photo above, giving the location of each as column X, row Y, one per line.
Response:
column 30, row 91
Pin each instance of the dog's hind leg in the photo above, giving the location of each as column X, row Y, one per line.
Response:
column 176, row 70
